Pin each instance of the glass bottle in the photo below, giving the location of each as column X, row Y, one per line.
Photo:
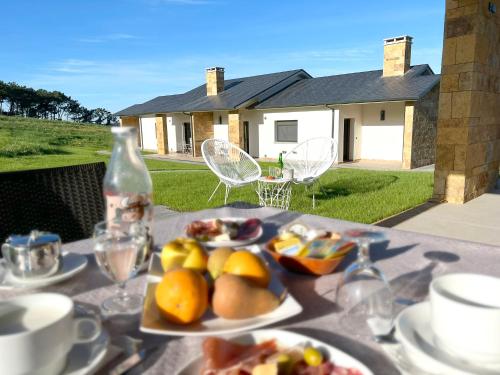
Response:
column 128, row 189
column 280, row 164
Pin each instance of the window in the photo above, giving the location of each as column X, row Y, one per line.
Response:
column 286, row 131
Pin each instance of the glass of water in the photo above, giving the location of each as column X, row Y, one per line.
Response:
column 120, row 249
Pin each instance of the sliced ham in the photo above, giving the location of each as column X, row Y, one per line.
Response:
column 222, row 357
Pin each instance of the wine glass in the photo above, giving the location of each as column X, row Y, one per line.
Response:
column 120, row 249
column 363, row 293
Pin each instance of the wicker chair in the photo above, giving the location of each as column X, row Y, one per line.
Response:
column 310, row 159
column 233, row 166
column 65, row 200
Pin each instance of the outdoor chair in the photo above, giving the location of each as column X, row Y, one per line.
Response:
column 309, row 160
column 233, row 166
column 66, row 200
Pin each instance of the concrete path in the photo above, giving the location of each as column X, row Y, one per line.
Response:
column 382, row 165
column 477, row 220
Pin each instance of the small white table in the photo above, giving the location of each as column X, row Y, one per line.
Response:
column 274, row 192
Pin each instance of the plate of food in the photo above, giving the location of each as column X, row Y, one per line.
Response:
column 311, row 251
column 274, row 352
column 229, row 231
column 195, row 293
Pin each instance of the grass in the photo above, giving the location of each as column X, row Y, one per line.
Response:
column 349, row 194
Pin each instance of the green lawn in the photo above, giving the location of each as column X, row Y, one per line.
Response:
column 351, row 194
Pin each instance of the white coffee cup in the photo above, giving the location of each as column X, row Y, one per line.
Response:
column 37, row 332
column 465, row 317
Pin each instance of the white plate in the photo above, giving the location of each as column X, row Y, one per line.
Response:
column 210, row 324
column 232, row 243
column 72, row 264
column 286, row 339
column 85, row 358
column 414, row 332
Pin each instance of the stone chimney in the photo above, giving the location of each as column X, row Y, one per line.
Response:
column 215, row 80
column 397, row 55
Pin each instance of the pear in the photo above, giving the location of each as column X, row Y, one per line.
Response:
column 237, row 298
column 217, row 259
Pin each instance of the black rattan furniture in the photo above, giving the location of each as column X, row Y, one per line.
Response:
column 66, row 200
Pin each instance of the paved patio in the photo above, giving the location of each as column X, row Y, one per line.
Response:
column 375, row 165
column 477, row 220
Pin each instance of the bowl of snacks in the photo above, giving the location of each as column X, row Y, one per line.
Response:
column 309, row 251
column 229, row 231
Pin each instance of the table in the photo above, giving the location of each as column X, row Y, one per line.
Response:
column 409, row 260
column 274, row 192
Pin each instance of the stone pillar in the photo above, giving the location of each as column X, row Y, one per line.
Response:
column 161, row 134
column 235, row 128
column 132, row 121
column 203, row 128
column 408, row 135
column 468, row 131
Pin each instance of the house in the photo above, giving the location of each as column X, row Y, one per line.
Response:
column 387, row 114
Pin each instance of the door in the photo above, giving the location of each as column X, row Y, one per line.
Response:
column 148, row 133
column 347, row 140
column 246, row 140
column 187, row 133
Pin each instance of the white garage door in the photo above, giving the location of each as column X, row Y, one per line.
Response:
column 148, row 132
column 382, row 142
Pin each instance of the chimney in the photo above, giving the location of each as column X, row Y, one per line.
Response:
column 215, row 80
column 397, row 55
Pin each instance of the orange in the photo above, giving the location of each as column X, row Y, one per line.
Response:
column 182, row 296
column 246, row 264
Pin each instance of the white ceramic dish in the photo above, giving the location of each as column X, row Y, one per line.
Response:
column 210, row 324
column 85, row 358
column 413, row 331
column 72, row 264
column 232, row 243
column 286, row 339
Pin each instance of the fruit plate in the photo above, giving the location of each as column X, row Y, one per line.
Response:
column 210, row 324
column 286, row 339
column 235, row 242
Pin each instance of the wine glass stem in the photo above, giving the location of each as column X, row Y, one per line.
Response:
column 364, row 252
column 122, row 293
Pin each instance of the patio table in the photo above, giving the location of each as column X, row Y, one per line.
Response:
column 409, row 260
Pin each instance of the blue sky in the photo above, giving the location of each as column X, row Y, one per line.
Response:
column 113, row 54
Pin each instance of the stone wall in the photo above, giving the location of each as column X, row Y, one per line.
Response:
column 235, row 129
column 425, row 116
column 203, row 128
column 468, row 134
column 161, row 134
column 132, row 121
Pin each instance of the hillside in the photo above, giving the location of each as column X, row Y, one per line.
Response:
column 29, row 143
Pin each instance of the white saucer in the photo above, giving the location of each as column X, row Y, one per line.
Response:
column 72, row 264
column 414, row 332
column 86, row 358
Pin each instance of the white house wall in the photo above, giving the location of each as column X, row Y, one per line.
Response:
column 311, row 122
column 221, row 127
column 382, row 140
column 148, row 133
column 175, row 130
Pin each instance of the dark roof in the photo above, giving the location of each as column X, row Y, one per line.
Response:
column 236, row 91
column 295, row 88
column 363, row 87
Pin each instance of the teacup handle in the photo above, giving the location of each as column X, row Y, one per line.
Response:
column 82, row 338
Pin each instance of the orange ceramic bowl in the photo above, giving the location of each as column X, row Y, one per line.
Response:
column 305, row 265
